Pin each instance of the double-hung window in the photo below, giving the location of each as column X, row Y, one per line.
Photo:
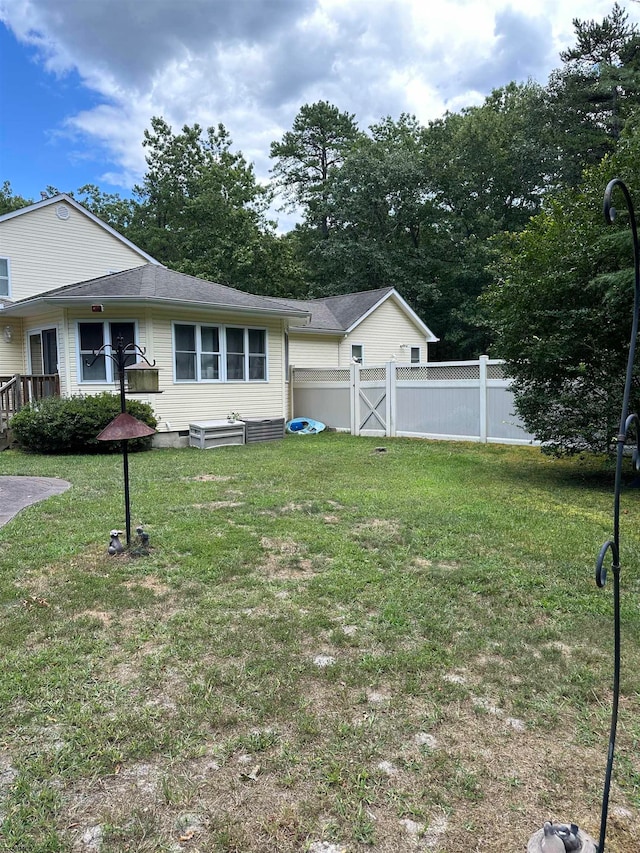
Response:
column 197, row 352
column 235, row 354
column 219, row 353
column 5, row 290
column 91, row 337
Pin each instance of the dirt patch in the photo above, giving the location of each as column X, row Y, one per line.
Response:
column 382, row 525
column 150, row 582
column 377, row 532
column 285, row 560
column 210, row 478
column 99, row 615
column 304, row 506
column 219, row 505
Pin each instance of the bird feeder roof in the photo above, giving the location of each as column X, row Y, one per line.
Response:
column 125, row 426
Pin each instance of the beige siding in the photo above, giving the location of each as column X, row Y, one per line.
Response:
column 180, row 404
column 11, row 353
column 14, row 357
column 68, row 251
column 382, row 335
column 306, row 350
column 53, row 319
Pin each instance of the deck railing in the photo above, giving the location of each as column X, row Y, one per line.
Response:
column 19, row 389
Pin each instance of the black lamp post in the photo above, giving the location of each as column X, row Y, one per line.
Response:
column 124, row 426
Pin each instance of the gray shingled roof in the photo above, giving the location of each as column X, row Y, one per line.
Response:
column 151, row 283
column 338, row 313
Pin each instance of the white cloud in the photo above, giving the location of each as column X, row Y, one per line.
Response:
column 251, row 64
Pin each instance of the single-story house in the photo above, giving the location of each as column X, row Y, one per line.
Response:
column 217, row 350
column 70, row 284
column 370, row 327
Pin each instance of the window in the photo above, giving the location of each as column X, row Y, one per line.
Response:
column 210, row 352
column 257, row 354
column 235, row 354
column 415, row 355
column 357, row 353
column 219, row 354
column 92, row 336
column 4, row 276
column 186, row 355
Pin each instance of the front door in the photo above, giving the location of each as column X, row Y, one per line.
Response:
column 43, row 352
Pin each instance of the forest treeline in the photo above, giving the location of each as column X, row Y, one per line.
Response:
column 486, row 220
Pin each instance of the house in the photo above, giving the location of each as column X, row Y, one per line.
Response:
column 70, row 284
column 370, row 327
column 43, row 246
column 217, row 350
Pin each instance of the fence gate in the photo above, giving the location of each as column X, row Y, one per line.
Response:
column 371, row 401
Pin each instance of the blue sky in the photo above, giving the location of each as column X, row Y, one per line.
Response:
column 80, row 79
column 34, row 150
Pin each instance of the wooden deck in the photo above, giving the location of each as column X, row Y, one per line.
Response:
column 18, row 390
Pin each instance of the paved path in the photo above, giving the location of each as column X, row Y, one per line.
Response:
column 18, row 492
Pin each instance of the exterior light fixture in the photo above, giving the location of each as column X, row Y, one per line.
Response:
column 7, row 334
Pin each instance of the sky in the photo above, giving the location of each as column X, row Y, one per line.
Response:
column 80, row 79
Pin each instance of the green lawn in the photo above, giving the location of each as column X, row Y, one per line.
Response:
column 382, row 650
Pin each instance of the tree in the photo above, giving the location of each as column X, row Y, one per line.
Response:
column 561, row 311
column 381, row 217
column 111, row 208
column 594, row 92
column 10, row 202
column 202, row 212
column 309, row 154
column 487, row 168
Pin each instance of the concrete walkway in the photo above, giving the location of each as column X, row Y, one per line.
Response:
column 18, row 492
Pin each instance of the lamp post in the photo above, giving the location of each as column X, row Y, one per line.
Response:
column 124, row 426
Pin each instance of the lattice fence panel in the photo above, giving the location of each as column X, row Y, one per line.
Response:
column 373, row 374
column 321, row 374
column 424, row 372
column 495, row 371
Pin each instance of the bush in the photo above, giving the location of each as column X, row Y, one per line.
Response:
column 71, row 424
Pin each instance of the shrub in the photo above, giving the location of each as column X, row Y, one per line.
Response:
column 71, row 424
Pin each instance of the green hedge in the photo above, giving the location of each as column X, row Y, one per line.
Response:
column 71, row 424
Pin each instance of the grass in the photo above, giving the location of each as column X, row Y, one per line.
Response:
column 388, row 650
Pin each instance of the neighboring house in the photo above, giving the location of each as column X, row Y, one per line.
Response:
column 371, row 327
column 69, row 284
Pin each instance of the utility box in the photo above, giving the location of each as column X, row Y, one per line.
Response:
column 268, row 429
column 209, row 434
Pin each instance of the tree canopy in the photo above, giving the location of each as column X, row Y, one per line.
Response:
column 486, row 220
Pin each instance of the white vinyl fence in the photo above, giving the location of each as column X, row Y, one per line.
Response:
column 457, row 400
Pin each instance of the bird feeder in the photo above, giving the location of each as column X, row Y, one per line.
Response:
column 142, row 377
column 124, row 426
